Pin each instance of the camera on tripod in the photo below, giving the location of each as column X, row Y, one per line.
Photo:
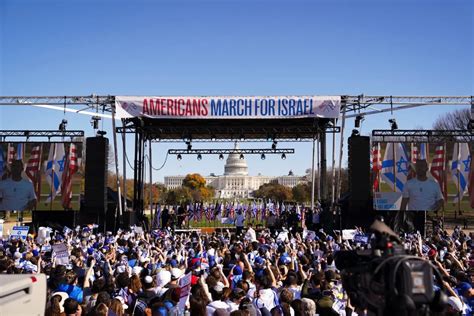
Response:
column 385, row 280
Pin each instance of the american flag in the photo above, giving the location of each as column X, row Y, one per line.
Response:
column 11, row 154
column 70, row 169
column 32, row 170
column 376, row 164
column 414, row 153
column 437, row 169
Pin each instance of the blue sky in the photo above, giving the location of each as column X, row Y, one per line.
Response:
column 380, row 47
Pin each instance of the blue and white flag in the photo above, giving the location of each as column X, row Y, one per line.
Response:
column 54, row 169
column 2, row 162
column 20, row 149
column 423, row 152
column 395, row 169
column 460, row 167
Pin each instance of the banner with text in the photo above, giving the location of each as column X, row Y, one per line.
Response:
column 228, row 107
column 387, row 201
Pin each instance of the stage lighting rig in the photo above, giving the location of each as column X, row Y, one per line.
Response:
column 95, row 122
column 179, row 157
column 274, row 145
column 241, row 156
column 189, row 145
column 221, row 157
column 355, row 133
column 199, row 157
column 262, row 156
column 283, row 156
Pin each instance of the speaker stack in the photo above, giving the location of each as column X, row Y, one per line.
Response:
column 359, row 212
column 94, row 208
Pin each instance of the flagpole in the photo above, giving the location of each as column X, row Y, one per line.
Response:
column 312, row 176
column 52, row 177
column 459, row 180
column 394, row 169
column 445, row 180
column 151, row 181
column 333, row 199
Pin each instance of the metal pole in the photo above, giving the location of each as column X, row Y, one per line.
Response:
column 119, row 190
column 323, row 169
column 124, row 158
column 341, row 154
column 318, row 164
column 151, row 182
column 312, row 175
column 333, row 184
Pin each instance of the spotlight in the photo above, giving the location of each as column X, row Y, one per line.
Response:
column 213, row 137
column 242, row 137
column 393, row 124
column 95, row 122
column 355, row 133
column 283, row 156
column 262, row 156
column 199, row 157
column 190, row 146
column 179, row 157
column 274, row 145
column 221, row 157
column 241, row 156
column 358, row 119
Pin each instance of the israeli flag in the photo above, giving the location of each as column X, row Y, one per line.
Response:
column 54, row 169
column 460, row 167
column 395, row 166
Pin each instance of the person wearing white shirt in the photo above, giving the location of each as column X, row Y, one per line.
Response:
column 419, row 194
column 250, row 235
column 239, row 222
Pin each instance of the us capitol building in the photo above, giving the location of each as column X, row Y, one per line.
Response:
column 236, row 183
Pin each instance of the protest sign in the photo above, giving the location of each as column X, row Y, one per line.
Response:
column 61, row 253
column 20, row 232
column 185, row 287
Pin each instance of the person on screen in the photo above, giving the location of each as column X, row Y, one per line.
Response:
column 419, row 194
column 16, row 193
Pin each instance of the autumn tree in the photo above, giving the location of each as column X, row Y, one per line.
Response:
column 301, row 192
column 194, row 181
column 274, row 191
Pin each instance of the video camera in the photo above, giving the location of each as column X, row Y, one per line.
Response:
column 385, row 280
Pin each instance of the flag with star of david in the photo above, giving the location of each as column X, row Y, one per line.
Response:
column 54, row 169
column 395, row 166
column 460, row 166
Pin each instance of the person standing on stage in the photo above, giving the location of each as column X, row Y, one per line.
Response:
column 419, row 194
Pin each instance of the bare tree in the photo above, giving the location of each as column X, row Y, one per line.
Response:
column 455, row 120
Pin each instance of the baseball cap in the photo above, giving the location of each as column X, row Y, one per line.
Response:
column 176, row 273
column 237, row 270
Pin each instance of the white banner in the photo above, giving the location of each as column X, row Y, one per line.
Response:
column 20, row 232
column 228, row 107
column 61, row 253
column 185, row 285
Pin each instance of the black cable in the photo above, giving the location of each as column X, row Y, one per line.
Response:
column 164, row 163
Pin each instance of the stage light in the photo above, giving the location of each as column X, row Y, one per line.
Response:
column 241, row 156
column 393, row 124
column 274, row 145
column 283, row 156
column 262, row 156
column 355, row 133
column 190, row 146
column 221, row 157
column 213, row 137
column 358, row 119
column 179, row 157
column 95, row 122
column 242, row 137
column 199, row 157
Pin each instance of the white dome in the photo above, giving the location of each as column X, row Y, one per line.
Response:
column 234, row 165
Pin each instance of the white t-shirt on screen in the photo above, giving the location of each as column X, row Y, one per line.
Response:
column 15, row 195
column 422, row 195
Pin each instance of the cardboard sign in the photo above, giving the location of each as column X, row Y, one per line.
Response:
column 361, row 239
column 227, row 220
column 185, row 285
column 283, row 236
column 20, row 232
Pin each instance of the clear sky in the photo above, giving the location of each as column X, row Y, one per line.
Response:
column 379, row 47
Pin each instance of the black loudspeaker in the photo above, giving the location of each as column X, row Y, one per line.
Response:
column 359, row 168
column 95, row 190
column 359, row 209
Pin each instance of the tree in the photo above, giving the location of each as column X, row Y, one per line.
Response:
column 301, row 192
column 178, row 196
column 455, row 120
column 194, row 181
column 274, row 191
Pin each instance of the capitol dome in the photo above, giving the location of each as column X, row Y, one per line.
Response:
column 234, row 165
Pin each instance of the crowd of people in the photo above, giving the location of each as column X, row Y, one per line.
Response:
column 253, row 272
